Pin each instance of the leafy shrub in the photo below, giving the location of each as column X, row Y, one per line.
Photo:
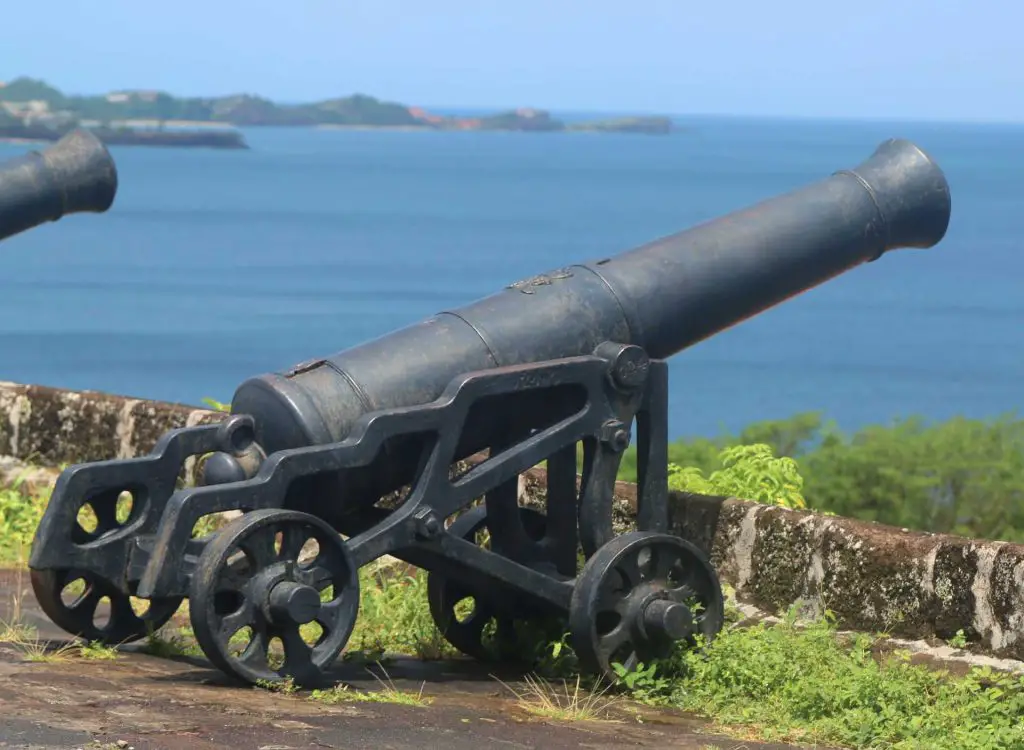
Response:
column 750, row 472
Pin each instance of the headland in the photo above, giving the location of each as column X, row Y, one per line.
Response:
column 31, row 109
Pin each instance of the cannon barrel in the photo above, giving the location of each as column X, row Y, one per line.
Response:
column 74, row 175
column 663, row 296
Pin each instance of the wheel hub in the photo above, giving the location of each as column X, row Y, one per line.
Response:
column 293, row 603
column 667, row 618
column 656, row 617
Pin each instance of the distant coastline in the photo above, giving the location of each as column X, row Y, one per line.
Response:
column 145, row 117
column 219, row 138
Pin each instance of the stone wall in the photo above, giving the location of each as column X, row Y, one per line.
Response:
column 875, row 578
column 51, row 427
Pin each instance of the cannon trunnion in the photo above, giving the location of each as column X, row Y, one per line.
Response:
column 342, row 460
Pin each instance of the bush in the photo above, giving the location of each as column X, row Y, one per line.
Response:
column 961, row 476
column 750, row 472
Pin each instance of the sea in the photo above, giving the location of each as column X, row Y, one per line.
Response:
column 214, row 266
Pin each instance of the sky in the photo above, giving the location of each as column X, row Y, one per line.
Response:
column 877, row 59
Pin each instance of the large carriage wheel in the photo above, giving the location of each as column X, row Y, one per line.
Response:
column 254, row 577
column 72, row 598
column 639, row 595
column 472, row 623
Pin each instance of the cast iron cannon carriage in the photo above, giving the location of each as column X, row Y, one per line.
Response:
column 74, row 175
column 571, row 358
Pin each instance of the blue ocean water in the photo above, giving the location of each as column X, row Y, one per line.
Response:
column 214, row 266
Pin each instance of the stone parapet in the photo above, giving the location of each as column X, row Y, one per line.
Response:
column 52, row 427
column 874, row 578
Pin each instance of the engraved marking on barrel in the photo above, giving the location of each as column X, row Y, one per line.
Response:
column 543, row 279
column 535, row 380
column 309, row 364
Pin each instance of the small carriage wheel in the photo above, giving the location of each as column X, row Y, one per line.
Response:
column 254, row 576
column 78, row 617
column 639, row 595
column 469, row 633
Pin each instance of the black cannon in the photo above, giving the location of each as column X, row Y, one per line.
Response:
column 74, row 175
column 361, row 454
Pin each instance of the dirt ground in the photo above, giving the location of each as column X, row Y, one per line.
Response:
column 148, row 703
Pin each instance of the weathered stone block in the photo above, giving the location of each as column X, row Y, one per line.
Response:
column 51, row 427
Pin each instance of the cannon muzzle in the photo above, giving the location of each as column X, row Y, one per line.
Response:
column 686, row 287
column 910, row 191
column 74, row 175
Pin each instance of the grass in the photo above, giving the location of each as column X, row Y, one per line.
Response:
column 791, row 682
column 541, row 698
column 24, row 638
column 394, row 618
column 20, row 513
column 387, row 693
column 802, row 682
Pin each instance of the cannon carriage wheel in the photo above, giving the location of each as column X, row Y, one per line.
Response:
column 78, row 617
column 639, row 595
column 471, row 632
column 254, row 576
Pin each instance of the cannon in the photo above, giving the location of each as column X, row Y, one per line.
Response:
column 74, row 175
column 341, row 460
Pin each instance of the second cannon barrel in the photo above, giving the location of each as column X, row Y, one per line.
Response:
column 74, row 175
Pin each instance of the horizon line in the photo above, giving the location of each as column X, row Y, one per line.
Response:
column 639, row 112
column 903, row 120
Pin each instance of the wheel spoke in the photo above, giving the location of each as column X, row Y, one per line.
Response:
column 330, row 614
column 121, row 612
column 298, row 656
column 234, row 622
column 663, row 562
column 292, row 540
column 233, row 579
column 629, row 569
column 682, row 594
column 615, row 637
column 260, row 549
column 317, row 576
column 256, row 652
column 610, row 601
column 688, row 579
column 469, row 631
column 84, row 607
